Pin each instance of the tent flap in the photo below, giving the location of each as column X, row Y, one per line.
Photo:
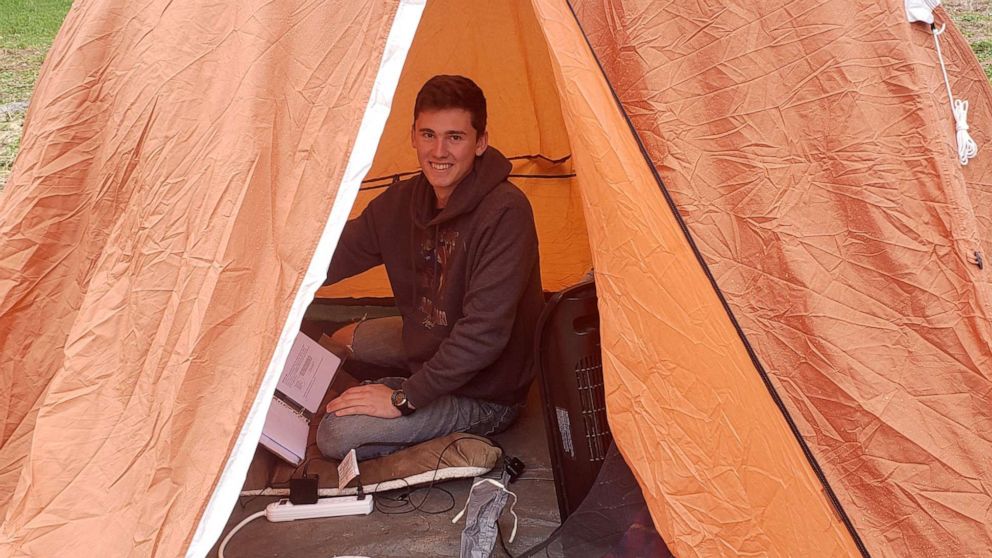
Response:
column 173, row 183
column 822, row 187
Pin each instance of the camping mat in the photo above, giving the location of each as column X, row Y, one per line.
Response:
column 456, row 455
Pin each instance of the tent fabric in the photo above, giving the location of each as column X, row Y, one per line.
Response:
column 810, row 150
column 178, row 166
column 721, row 472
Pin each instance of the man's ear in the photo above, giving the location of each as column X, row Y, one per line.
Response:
column 413, row 135
column 482, row 143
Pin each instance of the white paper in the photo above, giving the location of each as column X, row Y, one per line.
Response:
column 285, row 433
column 307, row 375
column 347, row 469
column 308, row 372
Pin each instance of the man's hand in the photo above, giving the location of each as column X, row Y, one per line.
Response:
column 373, row 400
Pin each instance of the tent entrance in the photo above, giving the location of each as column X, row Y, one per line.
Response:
column 503, row 49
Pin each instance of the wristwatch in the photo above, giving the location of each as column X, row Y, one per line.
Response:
column 399, row 400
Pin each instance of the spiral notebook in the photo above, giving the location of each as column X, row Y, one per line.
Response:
column 304, row 381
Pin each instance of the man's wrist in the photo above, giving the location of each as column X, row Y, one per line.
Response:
column 401, row 402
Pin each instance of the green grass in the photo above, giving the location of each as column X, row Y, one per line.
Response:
column 27, row 28
column 30, row 23
column 18, row 72
column 983, row 49
column 974, row 19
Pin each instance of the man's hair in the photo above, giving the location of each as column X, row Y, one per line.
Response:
column 445, row 92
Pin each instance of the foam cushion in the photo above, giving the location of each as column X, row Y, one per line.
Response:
column 456, row 455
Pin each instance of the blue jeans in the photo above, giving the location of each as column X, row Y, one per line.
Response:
column 379, row 342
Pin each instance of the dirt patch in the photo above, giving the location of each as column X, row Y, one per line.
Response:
column 11, row 127
column 18, row 72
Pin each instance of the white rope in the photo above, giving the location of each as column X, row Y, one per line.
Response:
column 967, row 148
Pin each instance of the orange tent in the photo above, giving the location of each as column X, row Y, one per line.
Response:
column 790, row 260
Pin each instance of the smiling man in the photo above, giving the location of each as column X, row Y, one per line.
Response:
column 460, row 248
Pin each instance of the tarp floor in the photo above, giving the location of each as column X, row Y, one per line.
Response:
column 385, row 533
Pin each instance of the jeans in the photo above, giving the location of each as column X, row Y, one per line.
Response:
column 379, row 342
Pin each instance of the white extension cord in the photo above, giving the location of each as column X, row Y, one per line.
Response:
column 245, row 521
column 284, row 510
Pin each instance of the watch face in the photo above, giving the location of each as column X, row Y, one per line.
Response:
column 398, row 398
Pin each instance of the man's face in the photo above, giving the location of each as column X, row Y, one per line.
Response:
column 447, row 146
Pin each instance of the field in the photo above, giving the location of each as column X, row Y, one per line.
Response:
column 974, row 19
column 27, row 28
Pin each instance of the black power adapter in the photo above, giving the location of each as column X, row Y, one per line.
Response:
column 513, row 467
column 303, row 490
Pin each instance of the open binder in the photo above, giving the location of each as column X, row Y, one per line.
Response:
column 304, row 381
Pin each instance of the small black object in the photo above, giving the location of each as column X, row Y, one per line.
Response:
column 303, row 490
column 977, row 260
column 514, row 467
column 360, row 490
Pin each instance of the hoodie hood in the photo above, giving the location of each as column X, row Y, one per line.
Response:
column 490, row 170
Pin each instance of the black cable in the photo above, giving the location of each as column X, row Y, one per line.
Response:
column 396, row 177
column 431, row 486
column 251, row 498
column 244, row 504
column 304, row 464
column 405, row 501
column 502, row 543
column 542, row 176
column 514, row 175
column 543, row 545
column 539, row 156
column 392, row 178
column 437, row 468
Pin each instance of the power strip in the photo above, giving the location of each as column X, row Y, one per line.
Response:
column 284, row 510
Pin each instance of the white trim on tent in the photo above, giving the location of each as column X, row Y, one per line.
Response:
column 225, row 495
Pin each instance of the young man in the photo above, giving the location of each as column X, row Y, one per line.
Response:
column 460, row 249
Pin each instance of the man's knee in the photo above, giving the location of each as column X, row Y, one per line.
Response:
column 335, row 436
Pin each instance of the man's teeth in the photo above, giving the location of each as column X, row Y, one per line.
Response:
column 441, row 166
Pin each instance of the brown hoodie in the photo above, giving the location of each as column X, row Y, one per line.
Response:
column 466, row 280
